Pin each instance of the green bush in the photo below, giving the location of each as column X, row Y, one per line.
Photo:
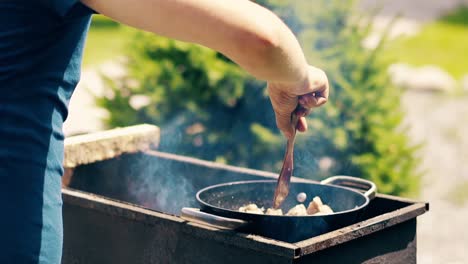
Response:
column 207, row 107
column 361, row 127
column 205, row 104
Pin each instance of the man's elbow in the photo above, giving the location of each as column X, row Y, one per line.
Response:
column 259, row 48
column 267, row 41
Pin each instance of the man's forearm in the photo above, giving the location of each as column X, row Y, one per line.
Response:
column 247, row 33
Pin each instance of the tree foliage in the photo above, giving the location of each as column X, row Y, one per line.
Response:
column 209, row 108
column 361, row 129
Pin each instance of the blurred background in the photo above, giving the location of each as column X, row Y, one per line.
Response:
column 398, row 113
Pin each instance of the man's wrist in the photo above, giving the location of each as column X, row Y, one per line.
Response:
column 295, row 87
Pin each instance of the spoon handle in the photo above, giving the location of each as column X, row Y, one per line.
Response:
column 282, row 186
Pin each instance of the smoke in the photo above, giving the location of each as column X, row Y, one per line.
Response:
column 164, row 193
column 161, row 184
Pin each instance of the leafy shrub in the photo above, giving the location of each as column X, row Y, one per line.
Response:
column 206, row 105
column 361, row 127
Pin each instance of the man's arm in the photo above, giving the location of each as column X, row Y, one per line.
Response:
column 247, row 33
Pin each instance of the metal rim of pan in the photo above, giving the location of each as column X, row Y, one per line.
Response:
column 367, row 200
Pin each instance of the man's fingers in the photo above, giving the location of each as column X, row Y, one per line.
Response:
column 284, row 124
column 312, row 101
column 283, row 105
column 301, row 111
column 286, row 98
column 321, row 101
column 318, row 90
column 301, row 124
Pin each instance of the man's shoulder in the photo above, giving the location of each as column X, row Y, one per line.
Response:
column 32, row 34
column 58, row 9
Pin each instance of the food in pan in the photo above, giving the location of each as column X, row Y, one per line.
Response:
column 251, row 208
column 271, row 211
column 298, row 210
column 316, row 207
column 324, row 210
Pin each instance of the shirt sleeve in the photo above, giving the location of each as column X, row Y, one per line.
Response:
column 63, row 7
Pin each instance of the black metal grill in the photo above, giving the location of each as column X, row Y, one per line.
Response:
column 106, row 222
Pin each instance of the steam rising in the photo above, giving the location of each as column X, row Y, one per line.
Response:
column 162, row 189
column 160, row 184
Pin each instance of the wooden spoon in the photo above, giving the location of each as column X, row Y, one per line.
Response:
column 282, row 186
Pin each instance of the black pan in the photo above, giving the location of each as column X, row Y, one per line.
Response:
column 220, row 204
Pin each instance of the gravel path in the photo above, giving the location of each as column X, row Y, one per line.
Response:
column 442, row 123
column 84, row 116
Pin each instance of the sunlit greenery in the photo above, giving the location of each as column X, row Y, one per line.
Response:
column 209, row 108
column 106, row 41
column 443, row 43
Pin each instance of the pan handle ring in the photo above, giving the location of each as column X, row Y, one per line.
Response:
column 369, row 188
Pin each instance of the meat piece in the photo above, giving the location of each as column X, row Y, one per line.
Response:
column 298, row 210
column 271, row 211
column 325, row 209
column 318, row 200
column 251, row 208
column 314, row 206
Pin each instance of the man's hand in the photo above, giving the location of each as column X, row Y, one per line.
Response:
column 309, row 93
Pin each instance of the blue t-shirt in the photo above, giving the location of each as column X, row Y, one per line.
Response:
column 41, row 43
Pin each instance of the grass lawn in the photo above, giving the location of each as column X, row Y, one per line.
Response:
column 443, row 43
column 106, row 40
